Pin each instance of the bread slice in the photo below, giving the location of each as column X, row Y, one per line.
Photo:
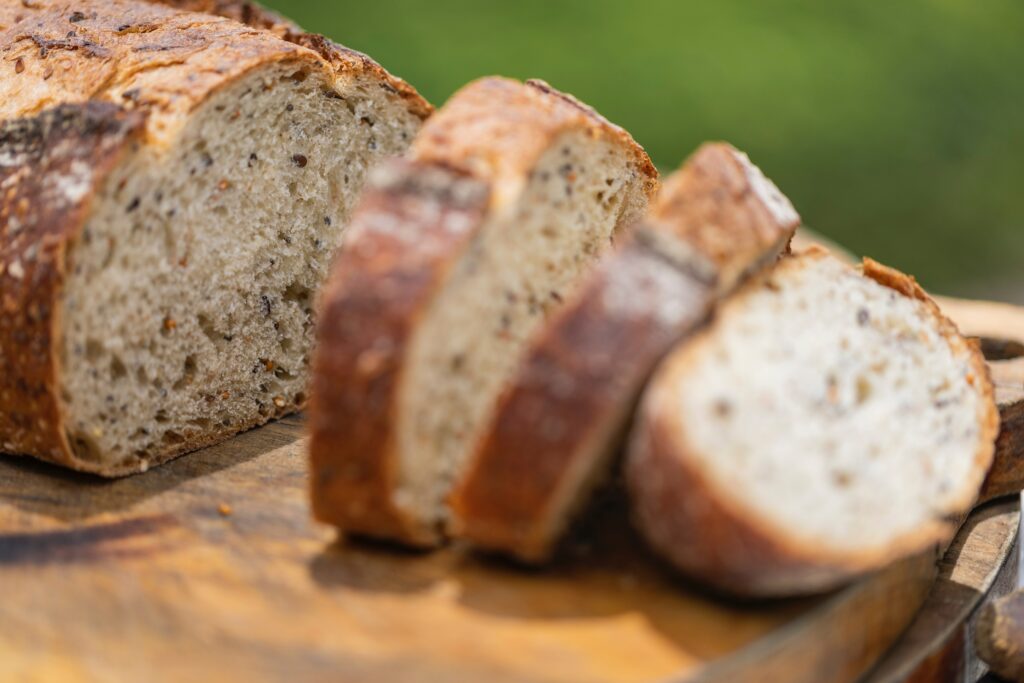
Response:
column 829, row 422
column 561, row 419
column 511, row 193
column 165, row 229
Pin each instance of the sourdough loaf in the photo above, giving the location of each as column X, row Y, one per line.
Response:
column 560, row 420
column 827, row 423
column 510, row 193
column 172, row 186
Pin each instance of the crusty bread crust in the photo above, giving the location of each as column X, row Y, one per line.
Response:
column 558, row 425
column 492, row 131
column 128, row 73
column 150, row 57
column 412, row 219
column 345, row 61
column 703, row 530
column 49, row 168
column 496, row 129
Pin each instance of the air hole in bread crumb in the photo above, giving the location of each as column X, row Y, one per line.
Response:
column 85, row 447
column 297, row 293
column 117, row 368
column 282, row 373
column 172, row 437
column 188, row 373
column 161, row 416
column 206, row 325
column 93, row 350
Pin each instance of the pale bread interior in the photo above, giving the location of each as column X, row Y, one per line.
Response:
column 187, row 310
column 533, row 248
column 831, row 407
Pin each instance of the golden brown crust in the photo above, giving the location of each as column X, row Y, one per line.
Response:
column 705, row 531
column 557, row 426
column 352, row 64
column 136, row 55
column 49, row 168
column 723, row 208
column 412, row 220
column 496, row 129
column 346, row 62
column 493, row 131
column 150, row 57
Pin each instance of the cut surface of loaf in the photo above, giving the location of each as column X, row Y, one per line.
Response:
column 827, row 423
column 561, row 182
column 179, row 270
column 559, row 422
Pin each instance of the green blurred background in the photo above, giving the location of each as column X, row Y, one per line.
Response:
column 895, row 127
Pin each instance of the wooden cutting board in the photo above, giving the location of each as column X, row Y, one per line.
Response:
column 209, row 568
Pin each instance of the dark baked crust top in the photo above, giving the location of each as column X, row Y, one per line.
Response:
column 149, row 56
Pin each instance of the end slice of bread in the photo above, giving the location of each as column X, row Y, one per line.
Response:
column 561, row 420
column 829, row 422
column 165, row 231
column 455, row 293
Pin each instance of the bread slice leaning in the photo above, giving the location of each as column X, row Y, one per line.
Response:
column 511, row 192
column 172, row 187
column 562, row 418
column 829, row 422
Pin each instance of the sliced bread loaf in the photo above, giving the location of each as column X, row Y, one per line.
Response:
column 512, row 192
column 827, row 423
column 561, row 419
column 164, row 231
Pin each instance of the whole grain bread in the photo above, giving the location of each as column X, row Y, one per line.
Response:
column 510, row 193
column 172, row 186
column 830, row 421
column 561, row 420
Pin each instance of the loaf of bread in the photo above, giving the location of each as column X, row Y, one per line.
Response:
column 561, row 419
column 510, row 193
column 828, row 422
column 172, row 187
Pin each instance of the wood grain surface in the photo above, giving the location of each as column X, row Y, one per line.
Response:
column 211, row 568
